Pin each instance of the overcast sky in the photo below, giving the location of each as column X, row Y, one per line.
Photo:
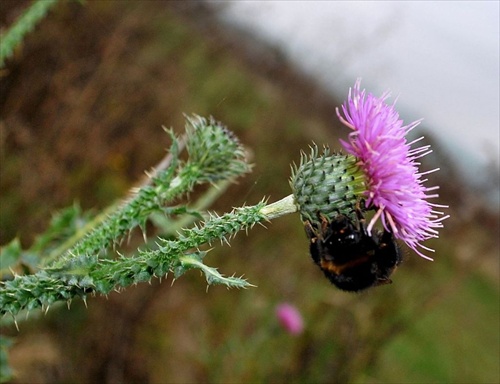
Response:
column 440, row 58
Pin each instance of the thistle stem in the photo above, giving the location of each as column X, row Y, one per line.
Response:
column 280, row 208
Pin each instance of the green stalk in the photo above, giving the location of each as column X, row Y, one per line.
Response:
column 24, row 24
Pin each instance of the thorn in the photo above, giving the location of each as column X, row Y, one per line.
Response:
column 15, row 322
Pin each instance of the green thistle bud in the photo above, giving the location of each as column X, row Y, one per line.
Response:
column 330, row 184
column 214, row 150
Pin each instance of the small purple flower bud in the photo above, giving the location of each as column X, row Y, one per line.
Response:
column 290, row 318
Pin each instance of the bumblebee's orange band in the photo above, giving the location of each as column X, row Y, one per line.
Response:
column 338, row 269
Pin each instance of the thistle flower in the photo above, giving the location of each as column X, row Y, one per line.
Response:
column 380, row 172
column 290, row 318
column 394, row 185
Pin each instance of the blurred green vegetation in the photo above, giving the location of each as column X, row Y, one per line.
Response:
column 82, row 106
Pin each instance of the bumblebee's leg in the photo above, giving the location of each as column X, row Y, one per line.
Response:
column 310, row 231
column 382, row 281
column 324, row 222
column 313, row 241
column 388, row 256
column 389, row 248
column 359, row 208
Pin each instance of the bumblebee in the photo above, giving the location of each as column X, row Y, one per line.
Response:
column 349, row 257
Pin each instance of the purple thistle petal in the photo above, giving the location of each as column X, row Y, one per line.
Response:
column 290, row 318
column 395, row 187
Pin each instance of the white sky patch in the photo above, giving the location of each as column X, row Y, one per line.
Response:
column 440, row 58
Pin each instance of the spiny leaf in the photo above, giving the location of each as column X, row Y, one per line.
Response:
column 212, row 274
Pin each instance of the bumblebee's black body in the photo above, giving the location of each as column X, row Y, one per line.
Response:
column 349, row 257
